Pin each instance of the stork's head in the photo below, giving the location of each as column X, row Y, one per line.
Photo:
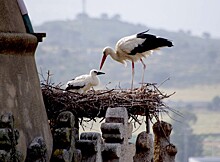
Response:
column 106, row 51
column 95, row 72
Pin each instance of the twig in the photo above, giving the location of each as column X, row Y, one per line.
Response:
column 94, row 104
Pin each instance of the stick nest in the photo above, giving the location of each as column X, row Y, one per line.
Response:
column 145, row 101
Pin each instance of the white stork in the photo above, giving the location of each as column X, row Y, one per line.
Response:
column 134, row 48
column 83, row 83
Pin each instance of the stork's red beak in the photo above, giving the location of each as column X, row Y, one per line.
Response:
column 103, row 60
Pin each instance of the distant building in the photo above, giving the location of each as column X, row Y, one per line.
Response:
column 204, row 159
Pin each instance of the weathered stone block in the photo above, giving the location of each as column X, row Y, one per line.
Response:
column 5, row 141
column 36, row 151
column 164, row 151
column 113, row 132
column 90, row 145
column 144, row 148
column 116, row 131
column 64, row 139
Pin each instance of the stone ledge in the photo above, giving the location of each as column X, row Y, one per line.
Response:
column 17, row 43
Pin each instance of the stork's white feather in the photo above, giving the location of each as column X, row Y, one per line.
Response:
column 134, row 48
column 127, row 44
column 83, row 83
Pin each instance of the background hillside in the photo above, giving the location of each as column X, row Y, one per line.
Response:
column 73, row 47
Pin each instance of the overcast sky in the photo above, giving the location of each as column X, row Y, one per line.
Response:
column 198, row 16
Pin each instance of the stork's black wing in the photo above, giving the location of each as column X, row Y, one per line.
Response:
column 69, row 87
column 74, row 84
column 150, row 42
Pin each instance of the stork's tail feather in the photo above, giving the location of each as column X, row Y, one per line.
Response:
column 162, row 42
column 144, row 32
column 153, row 41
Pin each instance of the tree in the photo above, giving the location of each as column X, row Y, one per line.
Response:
column 206, row 35
column 215, row 104
column 188, row 144
column 104, row 16
column 116, row 17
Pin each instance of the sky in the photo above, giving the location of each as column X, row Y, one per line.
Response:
column 197, row 16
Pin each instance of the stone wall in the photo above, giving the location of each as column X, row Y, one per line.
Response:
column 21, row 102
column 112, row 144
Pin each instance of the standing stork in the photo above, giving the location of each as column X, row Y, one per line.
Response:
column 83, row 83
column 134, row 48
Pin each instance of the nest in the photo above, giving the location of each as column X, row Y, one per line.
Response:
column 145, row 101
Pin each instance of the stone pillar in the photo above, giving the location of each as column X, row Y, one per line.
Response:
column 9, row 139
column 116, row 132
column 90, row 144
column 64, row 136
column 144, row 148
column 20, row 92
column 164, row 151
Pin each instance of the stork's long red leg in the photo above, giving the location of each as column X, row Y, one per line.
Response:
column 144, row 67
column 132, row 75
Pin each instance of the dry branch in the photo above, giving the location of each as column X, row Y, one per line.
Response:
column 95, row 103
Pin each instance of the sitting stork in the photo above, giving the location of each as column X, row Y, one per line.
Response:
column 83, row 83
column 134, row 48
